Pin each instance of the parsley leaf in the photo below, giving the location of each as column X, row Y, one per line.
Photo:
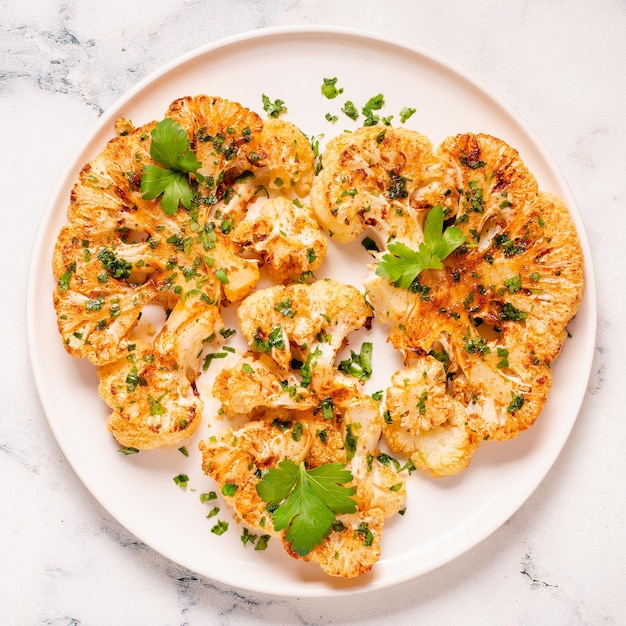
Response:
column 171, row 148
column 402, row 265
column 306, row 501
column 350, row 110
column 173, row 185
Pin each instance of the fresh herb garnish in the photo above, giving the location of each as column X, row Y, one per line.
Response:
column 359, row 365
column 329, row 88
column 402, row 265
column 350, row 110
column 126, row 450
column 273, row 109
column 171, row 148
column 305, row 502
column 373, row 104
column 182, row 480
column 406, row 113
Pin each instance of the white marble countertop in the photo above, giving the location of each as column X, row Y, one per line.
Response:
column 560, row 559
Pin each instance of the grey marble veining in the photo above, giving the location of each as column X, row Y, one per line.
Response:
column 560, row 559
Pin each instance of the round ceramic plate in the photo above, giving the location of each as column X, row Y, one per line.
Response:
column 445, row 517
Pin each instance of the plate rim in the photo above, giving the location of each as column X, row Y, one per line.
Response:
column 262, row 34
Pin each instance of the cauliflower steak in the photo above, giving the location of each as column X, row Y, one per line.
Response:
column 479, row 326
column 151, row 223
column 309, row 413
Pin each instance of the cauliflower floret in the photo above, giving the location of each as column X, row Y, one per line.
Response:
column 150, row 397
column 223, row 132
column 280, row 163
column 282, row 158
column 285, row 235
column 309, row 322
column 96, row 305
column 378, row 485
column 424, row 422
column 378, row 178
column 255, row 383
column 239, row 456
column 351, row 550
column 194, row 317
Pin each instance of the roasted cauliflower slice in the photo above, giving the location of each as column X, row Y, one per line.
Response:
column 496, row 313
column 283, row 159
column 280, row 164
column 241, row 457
column 308, row 322
column 380, row 179
column 123, row 249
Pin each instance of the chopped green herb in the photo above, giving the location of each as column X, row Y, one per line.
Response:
column 350, row 110
column 182, row 480
column 370, row 245
column 220, row 528
column 359, row 365
column 284, row 308
column 397, row 186
column 514, row 283
column 327, row 408
column 350, row 442
column 503, row 353
column 222, row 276
column 210, row 356
column 273, row 109
column 509, row 312
column 477, row 345
column 406, row 113
column 134, row 379
column 229, row 489
column 329, row 88
column 126, row 450
column 517, row 402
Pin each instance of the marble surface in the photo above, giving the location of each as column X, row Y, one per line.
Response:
column 561, row 559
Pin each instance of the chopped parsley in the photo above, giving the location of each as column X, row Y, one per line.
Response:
column 406, row 113
column 273, row 109
column 329, row 88
column 350, row 110
column 359, row 365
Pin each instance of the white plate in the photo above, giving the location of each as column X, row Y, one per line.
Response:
column 444, row 518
